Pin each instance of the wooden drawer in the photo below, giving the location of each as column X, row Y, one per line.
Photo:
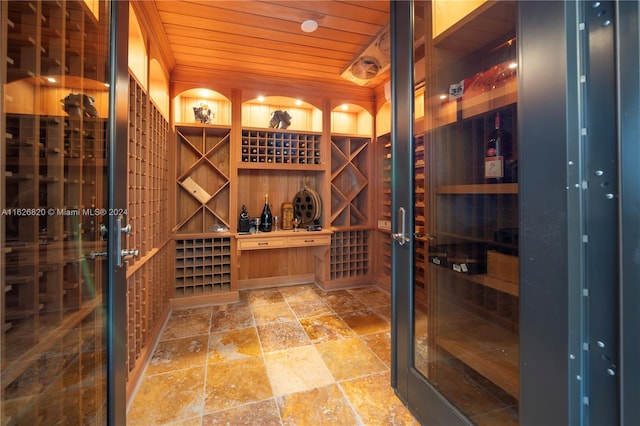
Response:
column 309, row 240
column 266, row 243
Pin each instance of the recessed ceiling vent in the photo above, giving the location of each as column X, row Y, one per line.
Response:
column 372, row 62
column 365, row 68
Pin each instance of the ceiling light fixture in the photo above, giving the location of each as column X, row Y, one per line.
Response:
column 298, row 102
column 309, row 26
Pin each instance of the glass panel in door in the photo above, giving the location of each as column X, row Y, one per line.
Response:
column 465, row 321
column 55, row 98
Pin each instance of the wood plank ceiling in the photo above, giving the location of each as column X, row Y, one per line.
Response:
column 264, row 38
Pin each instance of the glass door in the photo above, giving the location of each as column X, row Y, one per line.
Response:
column 461, row 359
column 56, row 132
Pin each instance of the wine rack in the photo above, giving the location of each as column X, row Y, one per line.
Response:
column 203, row 266
column 148, row 173
column 420, row 203
column 148, row 274
column 350, row 254
column 203, row 178
column 280, row 147
column 52, row 173
column 383, row 163
column 158, row 194
column 148, row 293
column 350, row 201
column 137, row 200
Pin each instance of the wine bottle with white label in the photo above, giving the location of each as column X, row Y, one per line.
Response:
column 498, row 159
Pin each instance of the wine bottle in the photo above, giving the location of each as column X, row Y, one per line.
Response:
column 498, row 153
column 266, row 217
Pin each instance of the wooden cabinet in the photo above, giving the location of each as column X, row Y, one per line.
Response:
column 283, row 239
column 474, row 223
column 203, row 245
column 467, row 220
column 220, row 169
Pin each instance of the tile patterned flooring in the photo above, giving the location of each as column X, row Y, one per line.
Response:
column 280, row 356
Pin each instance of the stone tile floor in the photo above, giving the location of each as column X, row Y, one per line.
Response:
column 280, row 356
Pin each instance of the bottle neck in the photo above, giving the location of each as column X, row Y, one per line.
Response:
column 496, row 122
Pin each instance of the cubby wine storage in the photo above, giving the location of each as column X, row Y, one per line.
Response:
column 350, row 254
column 266, row 146
column 203, row 266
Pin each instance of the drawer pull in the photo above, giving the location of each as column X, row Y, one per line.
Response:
column 309, row 241
column 264, row 243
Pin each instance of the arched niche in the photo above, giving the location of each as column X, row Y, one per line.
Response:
column 207, row 99
column 138, row 57
column 159, row 87
column 351, row 119
column 383, row 119
column 304, row 116
column 20, row 94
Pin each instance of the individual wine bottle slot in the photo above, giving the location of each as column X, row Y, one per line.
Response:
column 498, row 159
column 265, row 216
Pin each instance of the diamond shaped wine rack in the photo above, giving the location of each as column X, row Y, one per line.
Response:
column 203, row 178
column 350, row 201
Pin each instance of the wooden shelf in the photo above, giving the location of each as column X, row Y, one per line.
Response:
column 498, row 188
column 277, row 166
column 489, row 349
column 485, row 280
column 477, row 29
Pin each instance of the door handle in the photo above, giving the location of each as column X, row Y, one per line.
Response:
column 96, row 254
column 401, row 237
column 121, row 254
column 124, row 253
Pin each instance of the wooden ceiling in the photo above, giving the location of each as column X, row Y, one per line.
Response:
column 263, row 38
